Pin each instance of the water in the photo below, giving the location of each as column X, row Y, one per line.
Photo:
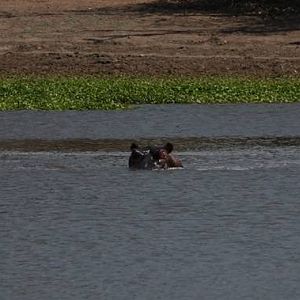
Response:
column 155, row 121
column 83, row 226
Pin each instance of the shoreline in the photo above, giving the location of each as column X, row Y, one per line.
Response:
column 112, row 145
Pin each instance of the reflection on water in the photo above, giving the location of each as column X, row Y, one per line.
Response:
column 83, row 226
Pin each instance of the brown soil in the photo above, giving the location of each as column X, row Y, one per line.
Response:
column 128, row 37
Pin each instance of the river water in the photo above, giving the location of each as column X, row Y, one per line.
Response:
column 80, row 225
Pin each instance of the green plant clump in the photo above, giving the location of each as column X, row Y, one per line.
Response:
column 86, row 93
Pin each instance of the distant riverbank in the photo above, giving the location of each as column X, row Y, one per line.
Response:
column 106, row 93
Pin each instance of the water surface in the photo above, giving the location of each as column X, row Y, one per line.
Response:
column 80, row 225
column 83, row 226
column 155, row 121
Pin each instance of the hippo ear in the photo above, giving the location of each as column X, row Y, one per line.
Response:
column 168, row 147
column 133, row 146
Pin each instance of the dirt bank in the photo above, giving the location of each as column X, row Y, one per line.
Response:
column 128, row 37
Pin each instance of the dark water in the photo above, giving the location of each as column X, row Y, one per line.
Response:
column 155, row 121
column 82, row 226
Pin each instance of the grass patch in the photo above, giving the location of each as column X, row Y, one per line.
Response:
column 84, row 93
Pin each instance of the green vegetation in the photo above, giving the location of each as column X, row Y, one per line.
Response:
column 82, row 93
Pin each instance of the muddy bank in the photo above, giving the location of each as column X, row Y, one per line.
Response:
column 124, row 37
column 181, row 144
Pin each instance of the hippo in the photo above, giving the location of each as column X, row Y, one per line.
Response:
column 153, row 158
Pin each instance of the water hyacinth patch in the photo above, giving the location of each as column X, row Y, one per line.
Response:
column 106, row 93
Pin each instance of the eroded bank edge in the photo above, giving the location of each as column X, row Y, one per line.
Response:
column 180, row 144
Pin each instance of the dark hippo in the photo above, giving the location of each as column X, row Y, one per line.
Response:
column 153, row 158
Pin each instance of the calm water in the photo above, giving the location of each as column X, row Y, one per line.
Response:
column 155, row 121
column 83, row 226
